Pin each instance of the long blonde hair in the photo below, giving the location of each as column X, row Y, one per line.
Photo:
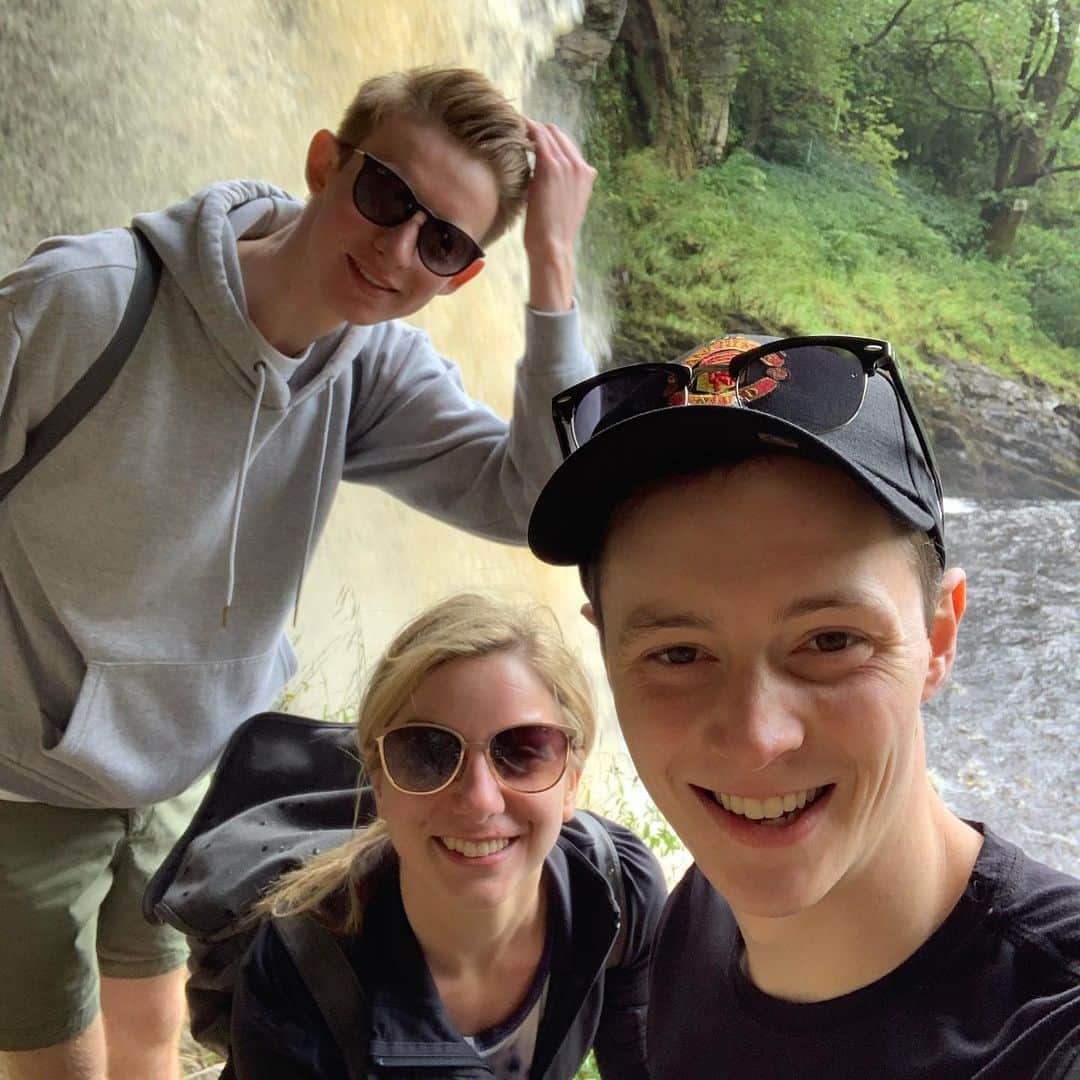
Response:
column 336, row 885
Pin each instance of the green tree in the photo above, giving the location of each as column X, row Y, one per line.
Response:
column 984, row 97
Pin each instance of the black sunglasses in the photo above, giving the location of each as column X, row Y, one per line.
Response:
column 421, row 759
column 382, row 197
column 817, row 383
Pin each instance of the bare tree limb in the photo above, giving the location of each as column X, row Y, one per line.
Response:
column 878, row 38
column 986, row 110
column 1028, row 68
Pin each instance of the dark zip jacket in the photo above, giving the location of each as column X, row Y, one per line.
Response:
column 278, row 1031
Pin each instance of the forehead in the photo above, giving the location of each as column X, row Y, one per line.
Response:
column 481, row 694
column 455, row 184
column 762, row 535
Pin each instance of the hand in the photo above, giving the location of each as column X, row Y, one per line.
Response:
column 558, row 196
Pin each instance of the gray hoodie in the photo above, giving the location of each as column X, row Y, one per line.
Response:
column 202, row 480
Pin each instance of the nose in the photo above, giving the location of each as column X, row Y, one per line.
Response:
column 397, row 243
column 476, row 788
column 755, row 721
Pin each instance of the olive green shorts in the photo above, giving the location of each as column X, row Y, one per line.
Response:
column 71, row 888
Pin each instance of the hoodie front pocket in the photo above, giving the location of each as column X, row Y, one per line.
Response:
column 143, row 732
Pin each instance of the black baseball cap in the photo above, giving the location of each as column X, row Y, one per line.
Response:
column 881, row 448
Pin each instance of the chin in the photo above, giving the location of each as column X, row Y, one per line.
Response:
column 765, row 892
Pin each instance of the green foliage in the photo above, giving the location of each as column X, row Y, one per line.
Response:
column 1050, row 261
column 625, row 800
column 975, row 93
column 756, row 245
column 588, row 1071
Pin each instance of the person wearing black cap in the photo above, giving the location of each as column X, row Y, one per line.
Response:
column 759, row 530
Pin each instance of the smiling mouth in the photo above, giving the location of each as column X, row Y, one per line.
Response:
column 380, row 285
column 474, row 849
column 774, row 810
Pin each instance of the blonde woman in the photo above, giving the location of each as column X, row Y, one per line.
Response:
column 473, row 911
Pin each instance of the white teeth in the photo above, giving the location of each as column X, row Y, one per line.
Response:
column 369, row 279
column 474, row 849
column 770, row 809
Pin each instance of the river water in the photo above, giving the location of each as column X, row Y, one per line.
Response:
column 1004, row 734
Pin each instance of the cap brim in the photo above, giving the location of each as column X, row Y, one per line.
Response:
column 573, row 509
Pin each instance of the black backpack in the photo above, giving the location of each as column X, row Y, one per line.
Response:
column 286, row 788
column 99, row 376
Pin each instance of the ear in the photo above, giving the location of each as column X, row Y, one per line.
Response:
column 466, row 275
column 952, row 600
column 573, row 778
column 589, row 612
column 323, row 159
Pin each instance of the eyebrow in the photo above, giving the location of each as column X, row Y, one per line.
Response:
column 649, row 618
column 808, row 605
column 645, row 619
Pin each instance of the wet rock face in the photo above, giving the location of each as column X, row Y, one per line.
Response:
column 580, row 51
column 995, row 437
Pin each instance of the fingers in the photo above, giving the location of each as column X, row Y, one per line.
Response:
column 554, row 147
column 559, row 194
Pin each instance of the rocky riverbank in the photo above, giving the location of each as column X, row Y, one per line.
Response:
column 999, row 438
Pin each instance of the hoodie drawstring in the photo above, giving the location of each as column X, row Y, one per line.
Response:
column 238, row 497
column 315, row 501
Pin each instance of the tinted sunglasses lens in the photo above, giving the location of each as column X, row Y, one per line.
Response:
column 419, row 758
column 817, row 387
column 531, row 757
column 444, row 248
column 382, row 196
column 629, row 392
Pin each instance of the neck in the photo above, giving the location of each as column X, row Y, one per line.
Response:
column 459, row 942
column 280, row 300
column 874, row 919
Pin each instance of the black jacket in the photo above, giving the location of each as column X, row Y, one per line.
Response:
column 278, row 1031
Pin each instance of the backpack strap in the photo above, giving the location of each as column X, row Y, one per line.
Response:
column 333, row 984
column 608, row 864
column 99, row 376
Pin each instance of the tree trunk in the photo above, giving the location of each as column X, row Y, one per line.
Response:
column 713, row 61
column 655, row 79
column 1023, row 157
column 1002, row 224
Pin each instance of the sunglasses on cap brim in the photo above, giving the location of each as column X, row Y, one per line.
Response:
column 817, row 383
column 384, row 199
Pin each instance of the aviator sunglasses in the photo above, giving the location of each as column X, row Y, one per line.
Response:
column 421, row 759
column 817, row 383
column 381, row 196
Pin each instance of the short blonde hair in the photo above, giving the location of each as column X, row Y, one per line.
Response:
column 471, row 109
column 463, row 627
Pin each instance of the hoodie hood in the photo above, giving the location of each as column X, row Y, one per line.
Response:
column 196, row 240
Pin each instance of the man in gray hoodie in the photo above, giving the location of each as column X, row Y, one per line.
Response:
column 150, row 563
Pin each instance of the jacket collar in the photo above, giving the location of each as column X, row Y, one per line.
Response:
column 410, row 1026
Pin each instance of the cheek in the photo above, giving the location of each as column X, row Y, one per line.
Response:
column 657, row 721
column 569, row 798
